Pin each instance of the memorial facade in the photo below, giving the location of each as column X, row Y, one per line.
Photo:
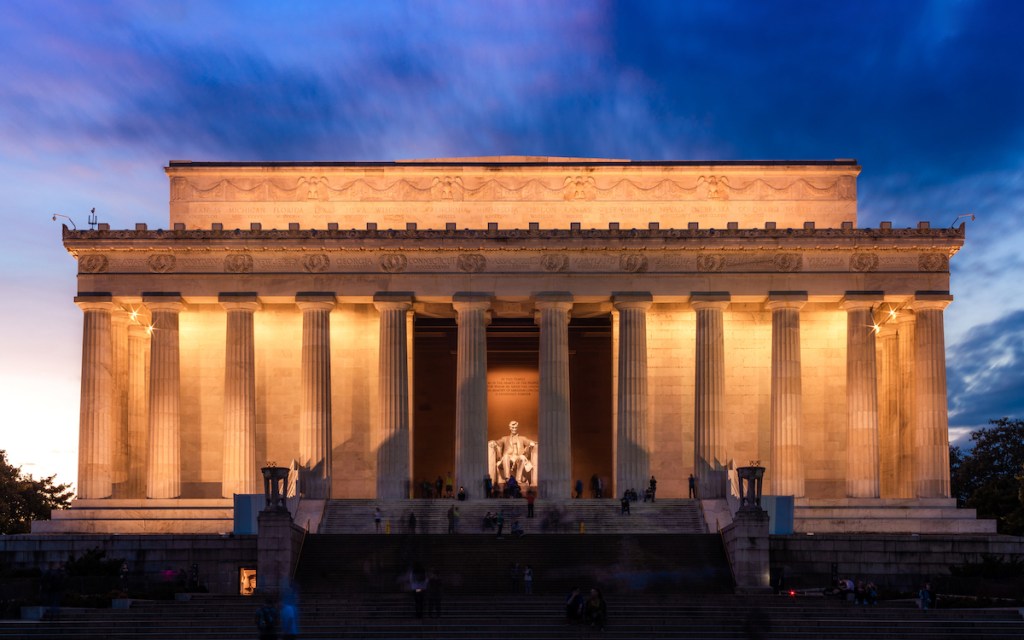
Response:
column 379, row 324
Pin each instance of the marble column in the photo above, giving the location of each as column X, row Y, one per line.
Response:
column 906, row 324
column 709, row 393
column 931, row 424
column 393, row 470
column 163, row 475
column 555, row 453
column 471, row 401
column 119, row 428
column 787, row 468
column 95, row 437
column 861, row 396
column 632, row 438
column 138, row 410
column 239, row 472
column 889, row 446
column 315, row 411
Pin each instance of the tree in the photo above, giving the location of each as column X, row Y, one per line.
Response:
column 990, row 476
column 24, row 498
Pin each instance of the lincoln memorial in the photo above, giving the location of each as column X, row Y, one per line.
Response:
column 376, row 325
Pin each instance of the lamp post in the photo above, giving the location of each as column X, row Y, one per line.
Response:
column 274, row 479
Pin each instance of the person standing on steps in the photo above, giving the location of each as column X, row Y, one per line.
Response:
column 449, row 484
column 653, row 488
column 531, row 497
column 376, row 519
column 528, row 580
column 693, row 486
column 579, row 488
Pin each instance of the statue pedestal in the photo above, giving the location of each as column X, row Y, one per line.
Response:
column 277, row 540
column 276, row 547
column 746, row 543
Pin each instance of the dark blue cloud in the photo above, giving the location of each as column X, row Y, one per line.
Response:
column 986, row 372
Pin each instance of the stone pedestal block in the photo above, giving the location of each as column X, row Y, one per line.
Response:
column 746, row 543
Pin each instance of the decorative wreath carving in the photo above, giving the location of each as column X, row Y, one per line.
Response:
column 238, row 263
column 933, row 262
column 316, row 262
column 471, row 262
column 393, row 263
column 864, row 262
column 93, row 264
column 710, row 262
column 555, row 262
column 161, row 262
column 633, row 262
column 787, row 262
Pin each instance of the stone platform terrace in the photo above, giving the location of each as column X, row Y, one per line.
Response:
column 137, row 516
column 863, row 515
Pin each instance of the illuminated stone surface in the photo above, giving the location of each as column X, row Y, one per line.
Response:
column 698, row 383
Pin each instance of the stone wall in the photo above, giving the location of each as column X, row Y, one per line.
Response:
column 218, row 557
column 895, row 561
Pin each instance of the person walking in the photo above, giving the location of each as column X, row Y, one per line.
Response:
column 451, row 519
column 579, row 488
column 528, row 580
column 531, row 497
column 693, row 486
column 376, row 519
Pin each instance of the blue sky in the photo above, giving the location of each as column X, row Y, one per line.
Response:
column 96, row 97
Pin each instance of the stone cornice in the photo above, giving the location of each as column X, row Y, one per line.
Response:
column 736, row 239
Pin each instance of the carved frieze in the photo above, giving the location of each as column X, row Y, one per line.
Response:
column 471, row 262
column 93, row 263
column 580, row 188
column 555, row 262
column 933, row 262
column 787, row 262
column 447, row 188
column 710, row 262
column 161, row 262
column 238, row 263
column 509, row 187
column 316, row 263
column 633, row 262
column 393, row 263
column 864, row 262
column 715, row 187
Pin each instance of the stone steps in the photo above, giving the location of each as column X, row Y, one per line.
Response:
column 666, row 616
column 597, row 516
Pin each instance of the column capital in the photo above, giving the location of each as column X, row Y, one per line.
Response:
column 163, row 301
column 785, row 300
column 240, row 301
column 392, row 301
column 561, row 300
column 719, row 300
column 927, row 301
column 471, row 301
column 315, row 300
column 632, row 300
column 94, row 302
column 854, row 300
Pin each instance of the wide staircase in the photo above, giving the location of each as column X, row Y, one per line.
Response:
column 668, row 616
column 473, row 564
column 551, row 516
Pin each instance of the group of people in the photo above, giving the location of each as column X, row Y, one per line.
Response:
column 427, row 589
column 587, row 607
column 441, row 488
column 630, row 496
column 857, row 592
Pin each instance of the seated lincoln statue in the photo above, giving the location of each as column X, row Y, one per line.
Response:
column 512, row 456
